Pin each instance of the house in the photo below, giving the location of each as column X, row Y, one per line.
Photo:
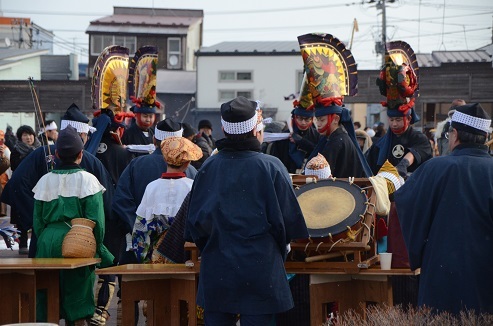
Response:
column 21, row 33
column 265, row 71
column 271, row 71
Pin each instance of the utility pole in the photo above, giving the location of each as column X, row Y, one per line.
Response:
column 384, row 32
column 380, row 45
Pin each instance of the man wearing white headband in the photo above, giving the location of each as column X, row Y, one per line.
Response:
column 18, row 191
column 49, row 134
column 243, row 205
column 445, row 210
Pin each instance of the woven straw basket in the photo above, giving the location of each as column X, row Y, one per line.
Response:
column 79, row 242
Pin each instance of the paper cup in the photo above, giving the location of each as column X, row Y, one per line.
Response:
column 385, row 260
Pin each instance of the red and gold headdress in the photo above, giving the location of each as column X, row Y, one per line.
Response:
column 304, row 106
column 142, row 80
column 330, row 68
column 109, row 80
column 398, row 80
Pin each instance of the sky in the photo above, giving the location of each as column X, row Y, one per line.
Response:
column 427, row 25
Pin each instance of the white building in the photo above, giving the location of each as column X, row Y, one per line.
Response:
column 265, row 71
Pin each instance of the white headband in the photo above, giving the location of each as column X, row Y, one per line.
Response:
column 81, row 127
column 320, row 173
column 397, row 181
column 237, row 128
column 469, row 120
column 161, row 134
column 51, row 126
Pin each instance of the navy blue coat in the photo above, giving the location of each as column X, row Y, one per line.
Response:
column 242, row 213
column 132, row 184
column 18, row 191
column 446, row 213
column 341, row 154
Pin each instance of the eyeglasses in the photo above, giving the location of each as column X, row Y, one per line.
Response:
column 303, row 119
column 450, row 129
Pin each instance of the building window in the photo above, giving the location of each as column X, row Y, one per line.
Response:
column 227, row 76
column 100, row 42
column 174, row 53
column 228, row 95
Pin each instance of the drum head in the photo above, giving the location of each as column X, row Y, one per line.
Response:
column 330, row 206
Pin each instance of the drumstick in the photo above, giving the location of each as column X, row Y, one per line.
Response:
column 326, row 256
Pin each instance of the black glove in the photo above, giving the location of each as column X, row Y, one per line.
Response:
column 402, row 167
column 296, row 137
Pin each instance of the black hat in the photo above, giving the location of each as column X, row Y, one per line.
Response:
column 205, row 124
column 74, row 117
column 188, row 130
column 69, row 142
column 24, row 129
column 239, row 116
column 168, row 128
column 471, row 118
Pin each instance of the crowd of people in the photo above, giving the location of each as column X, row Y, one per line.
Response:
column 149, row 186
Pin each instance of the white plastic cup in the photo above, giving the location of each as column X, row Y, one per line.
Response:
column 385, row 260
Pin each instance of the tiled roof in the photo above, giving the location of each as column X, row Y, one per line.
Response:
column 251, row 48
column 437, row 58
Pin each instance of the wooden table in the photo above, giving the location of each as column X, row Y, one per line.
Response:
column 349, row 289
column 170, row 289
column 21, row 277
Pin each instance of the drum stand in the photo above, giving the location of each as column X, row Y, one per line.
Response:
column 351, row 254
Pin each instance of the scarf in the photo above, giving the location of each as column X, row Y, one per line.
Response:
column 25, row 149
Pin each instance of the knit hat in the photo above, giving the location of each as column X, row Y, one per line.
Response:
column 471, row 118
column 167, row 128
column 75, row 118
column 205, row 124
column 69, row 142
column 239, row 116
column 188, row 130
column 179, row 150
column 319, row 167
column 142, row 80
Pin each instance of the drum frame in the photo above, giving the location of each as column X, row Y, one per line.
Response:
column 325, row 256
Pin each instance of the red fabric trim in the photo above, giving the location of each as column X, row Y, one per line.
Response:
column 173, row 175
column 328, row 101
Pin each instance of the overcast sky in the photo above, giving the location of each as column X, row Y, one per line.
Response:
column 427, row 25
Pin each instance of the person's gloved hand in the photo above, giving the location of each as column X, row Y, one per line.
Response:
column 402, row 167
column 296, row 138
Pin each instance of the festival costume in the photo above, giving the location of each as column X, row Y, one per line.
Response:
column 66, row 193
column 142, row 91
column 398, row 82
column 294, row 155
column 109, row 94
column 332, row 74
column 448, row 235
column 162, row 200
column 18, row 191
column 242, row 229
column 163, row 197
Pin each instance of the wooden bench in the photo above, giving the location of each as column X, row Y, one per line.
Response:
column 170, row 290
column 21, row 277
column 349, row 289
